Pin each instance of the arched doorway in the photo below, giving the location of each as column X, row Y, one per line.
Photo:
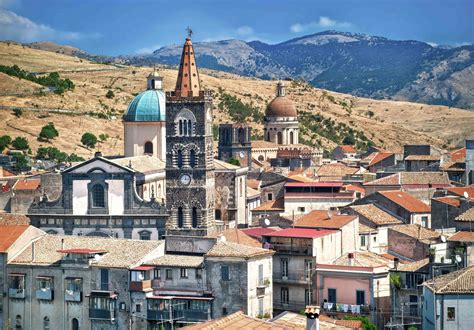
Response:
column 75, row 324
column 291, row 138
column 148, row 148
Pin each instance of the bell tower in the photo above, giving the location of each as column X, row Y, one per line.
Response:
column 190, row 185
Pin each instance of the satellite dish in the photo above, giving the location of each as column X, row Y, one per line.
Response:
column 443, row 238
column 96, row 257
column 466, row 195
column 458, row 258
column 223, row 239
column 266, row 222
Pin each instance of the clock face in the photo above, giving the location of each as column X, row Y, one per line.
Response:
column 242, row 154
column 185, row 179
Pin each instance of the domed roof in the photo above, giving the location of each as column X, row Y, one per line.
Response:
column 147, row 106
column 281, row 107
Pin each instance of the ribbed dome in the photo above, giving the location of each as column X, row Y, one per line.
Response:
column 147, row 106
column 281, row 107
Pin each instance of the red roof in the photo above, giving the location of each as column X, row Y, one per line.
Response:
column 258, row 232
column 314, row 184
column 351, row 187
column 32, row 184
column 459, row 191
column 453, row 201
column 458, row 155
column 143, row 268
column 321, row 219
column 300, row 233
column 376, row 157
column 348, row 149
column 84, row 251
column 407, row 201
column 9, row 234
column 6, row 173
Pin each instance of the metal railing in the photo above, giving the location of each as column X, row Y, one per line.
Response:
column 102, row 314
column 305, row 250
column 292, row 276
column 75, row 296
column 45, row 294
column 16, row 293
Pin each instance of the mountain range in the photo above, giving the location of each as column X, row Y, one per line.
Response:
column 358, row 64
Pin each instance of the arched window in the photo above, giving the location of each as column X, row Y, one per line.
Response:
column 268, row 136
column 75, row 324
column 149, row 148
column 153, row 84
column 145, row 235
column 279, row 138
column 98, row 196
column 190, row 127
column 185, row 127
column 18, row 323
column 184, row 122
column 194, row 222
column 180, row 217
column 46, row 323
column 192, row 158
column 241, row 136
column 180, row 127
column 291, row 138
column 180, row 158
column 217, row 214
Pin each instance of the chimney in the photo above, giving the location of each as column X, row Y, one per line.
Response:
column 98, row 154
column 62, row 243
column 396, row 262
column 312, row 317
column 351, row 258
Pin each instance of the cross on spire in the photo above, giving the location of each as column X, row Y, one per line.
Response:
column 189, row 31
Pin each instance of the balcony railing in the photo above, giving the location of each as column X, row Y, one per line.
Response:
column 16, row 293
column 306, row 250
column 351, row 309
column 45, row 294
column 138, row 286
column 102, row 314
column 158, row 315
column 74, row 296
column 184, row 316
column 296, row 277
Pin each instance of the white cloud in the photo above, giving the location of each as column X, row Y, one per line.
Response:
column 323, row 22
column 147, row 50
column 244, row 30
column 22, row 29
column 432, row 44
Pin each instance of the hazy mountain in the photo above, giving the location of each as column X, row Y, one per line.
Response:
column 352, row 63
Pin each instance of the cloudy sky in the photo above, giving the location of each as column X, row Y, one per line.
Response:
column 138, row 26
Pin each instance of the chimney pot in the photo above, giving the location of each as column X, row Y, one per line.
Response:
column 98, row 154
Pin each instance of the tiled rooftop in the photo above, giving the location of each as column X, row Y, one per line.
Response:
column 347, row 149
column 321, row 219
column 257, row 232
column 458, row 155
column 261, row 144
column 412, row 178
column 9, row 234
column 376, row 157
column 459, row 191
column 337, row 170
column 422, row 158
column 375, row 214
column 450, row 200
column 406, row 201
column 13, row 219
column 238, row 236
column 142, row 164
column 254, row 184
column 461, row 281
column 363, row 259
column 413, row 266
column 229, row 249
column 300, row 233
column 30, row 184
column 416, row 231
column 233, row 321
column 462, row 236
column 276, row 205
column 468, row 215
column 363, row 229
column 176, row 261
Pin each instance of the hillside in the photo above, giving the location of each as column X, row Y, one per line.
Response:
column 357, row 64
column 387, row 123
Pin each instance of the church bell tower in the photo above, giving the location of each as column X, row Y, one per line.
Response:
column 190, row 185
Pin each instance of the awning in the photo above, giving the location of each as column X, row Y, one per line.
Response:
column 143, row 268
column 44, row 277
column 103, row 294
column 17, row 274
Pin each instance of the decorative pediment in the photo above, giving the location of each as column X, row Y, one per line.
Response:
column 98, row 165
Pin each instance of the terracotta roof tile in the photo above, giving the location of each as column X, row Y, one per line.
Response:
column 376, row 157
column 229, row 249
column 414, row 266
column 261, row 144
column 461, row 281
column 252, row 192
column 363, row 259
column 300, row 233
column 13, row 219
column 336, row 170
column 176, row 261
column 320, row 219
column 458, row 155
column 238, row 236
column 453, row 201
column 351, row 187
column 257, row 232
column 406, row 201
column 459, row 191
column 276, row 205
column 236, row 320
column 363, row 229
column 254, row 184
column 462, row 236
column 468, row 215
column 375, row 214
column 412, row 178
column 422, row 158
column 9, row 234
column 31, row 184
column 294, row 321
column 5, row 173
column 416, row 231
column 348, row 149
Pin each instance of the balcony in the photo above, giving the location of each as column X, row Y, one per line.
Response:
column 102, row 314
column 45, row 294
column 301, row 250
column 139, row 286
column 337, row 308
column 190, row 315
column 292, row 277
column 158, row 315
column 73, row 296
column 16, row 293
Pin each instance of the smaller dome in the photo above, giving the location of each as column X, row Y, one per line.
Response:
column 281, row 107
column 147, row 106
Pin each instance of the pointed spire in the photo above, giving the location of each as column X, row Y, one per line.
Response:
column 188, row 84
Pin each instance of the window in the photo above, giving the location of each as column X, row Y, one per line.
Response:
column 217, row 214
column 138, row 308
column 199, row 273
column 149, row 148
column 138, row 276
column 308, row 297
column 180, row 158
column 224, row 311
column 260, row 306
column 424, row 221
column 451, row 313
column 169, row 274
column 301, row 209
column 184, row 272
column 180, row 131
column 291, row 138
column 241, row 189
column 192, row 158
column 194, row 218
column 413, row 305
column 270, row 196
column 46, row 323
column 279, row 138
column 225, row 276
column 98, row 196
column 332, row 296
column 75, row 324
column 17, row 283
column 284, row 296
column 45, row 283
column 103, row 303
column 284, row 267
column 360, row 297
column 180, row 217
column 260, row 275
column 157, row 273
column 18, row 323
column 73, row 285
column 362, row 240
column 308, row 266
column 375, row 239
column 145, row 235
column 104, row 279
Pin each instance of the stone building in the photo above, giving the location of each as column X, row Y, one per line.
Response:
column 99, row 198
column 234, row 143
column 144, row 122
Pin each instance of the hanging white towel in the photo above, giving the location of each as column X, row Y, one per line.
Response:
column 353, row 308
column 325, row 305
column 345, row 307
column 330, row 305
column 358, row 309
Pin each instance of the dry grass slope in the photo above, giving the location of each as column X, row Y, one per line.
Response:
column 391, row 125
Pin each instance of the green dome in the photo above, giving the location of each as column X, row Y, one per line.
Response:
column 147, row 106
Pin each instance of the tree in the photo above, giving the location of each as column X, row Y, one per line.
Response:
column 103, row 137
column 18, row 112
column 110, row 94
column 48, row 132
column 20, row 143
column 89, row 140
column 5, row 141
column 21, row 162
column 348, row 140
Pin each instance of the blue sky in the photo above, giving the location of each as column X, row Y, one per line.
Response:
column 130, row 27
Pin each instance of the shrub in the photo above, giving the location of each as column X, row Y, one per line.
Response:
column 48, row 132
column 5, row 141
column 20, row 143
column 21, row 163
column 110, row 94
column 18, row 112
column 89, row 140
column 366, row 324
column 103, row 137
